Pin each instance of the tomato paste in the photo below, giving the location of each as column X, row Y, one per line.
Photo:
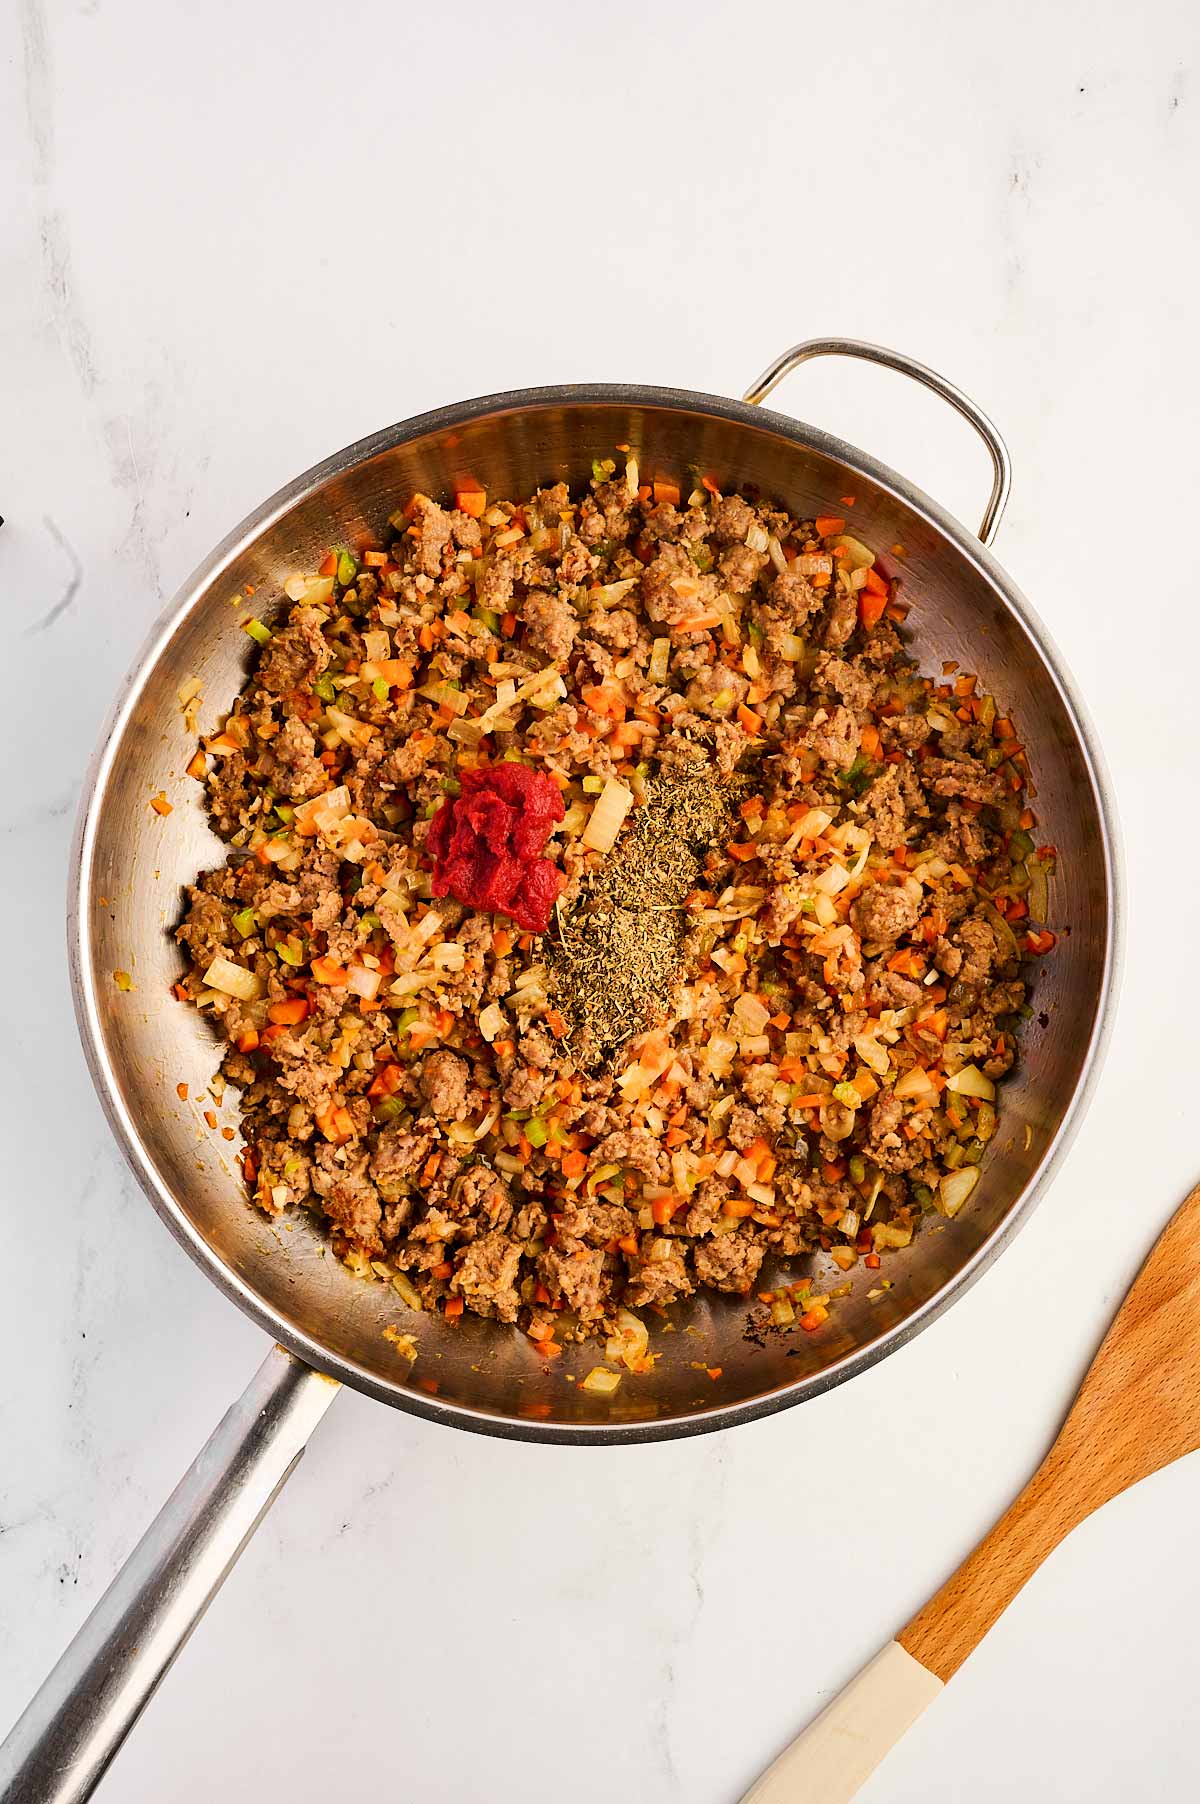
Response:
column 486, row 844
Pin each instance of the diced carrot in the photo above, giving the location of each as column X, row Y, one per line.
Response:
column 870, row 741
column 665, row 491
column 628, row 1243
column 738, row 1206
column 710, row 483
column 876, row 584
column 289, row 1013
column 470, row 500
column 662, row 1209
column 743, row 853
column 198, row 767
column 181, row 1091
column 748, row 719
column 870, row 609
column 574, row 1164
column 248, row 1041
column 626, row 733
column 210, row 1118
column 327, row 970
column 812, row 1319
column 374, row 560
column 828, row 524
column 454, row 1308
column 937, row 1023
column 328, row 565
column 388, row 1081
column 430, row 1169
column 907, row 963
column 833, row 1170
column 160, row 804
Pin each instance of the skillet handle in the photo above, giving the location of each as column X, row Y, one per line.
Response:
column 62, row 1745
column 773, row 375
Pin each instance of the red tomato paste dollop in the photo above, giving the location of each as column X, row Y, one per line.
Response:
column 486, row 844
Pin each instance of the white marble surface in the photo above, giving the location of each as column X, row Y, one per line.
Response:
column 238, row 236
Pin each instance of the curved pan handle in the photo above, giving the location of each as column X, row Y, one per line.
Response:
column 61, row 1747
column 773, row 375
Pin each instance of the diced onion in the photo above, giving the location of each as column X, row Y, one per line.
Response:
column 541, row 679
column 233, row 980
column 752, row 1011
column 970, row 1081
column 445, row 695
column 354, row 732
column 607, row 817
column 363, row 982
column 872, row 1053
column 913, row 1083
column 491, row 1021
column 334, row 805
column 832, row 880
column 660, row 655
column 599, row 1382
column 404, row 1287
column 955, row 1188
column 377, row 646
column 857, row 557
column 814, row 563
column 312, row 590
column 609, row 594
column 775, row 553
column 814, row 823
column 629, row 1344
column 632, row 477
column 757, row 537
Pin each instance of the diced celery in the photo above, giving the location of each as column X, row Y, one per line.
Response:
column 536, row 1131
column 257, row 631
column 245, row 922
column 380, row 689
column 323, row 688
column 347, row 568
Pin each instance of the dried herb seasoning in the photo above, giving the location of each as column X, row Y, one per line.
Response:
column 616, row 952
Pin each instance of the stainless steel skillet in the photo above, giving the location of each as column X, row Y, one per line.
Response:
column 129, row 864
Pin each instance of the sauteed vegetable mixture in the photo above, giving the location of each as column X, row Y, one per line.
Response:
column 611, row 904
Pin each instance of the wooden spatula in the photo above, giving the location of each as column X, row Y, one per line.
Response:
column 1137, row 1410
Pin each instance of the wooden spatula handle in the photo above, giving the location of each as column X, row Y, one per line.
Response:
column 954, row 1622
column 828, row 1762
